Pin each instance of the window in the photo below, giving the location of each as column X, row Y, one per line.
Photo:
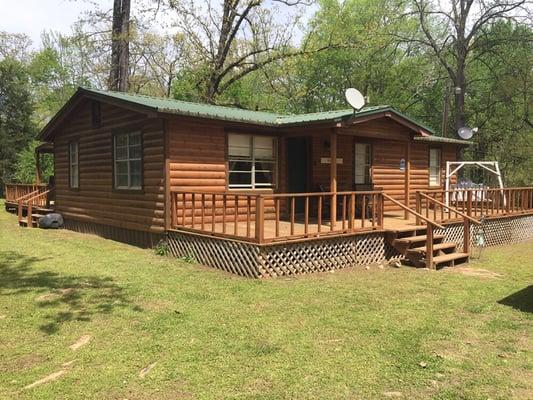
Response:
column 363, row 162
column 96, row 114
column 128, row 161
column 434, row 167
column 252, row 161
column 74, row 181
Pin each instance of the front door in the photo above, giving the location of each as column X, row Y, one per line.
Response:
column 298, row 168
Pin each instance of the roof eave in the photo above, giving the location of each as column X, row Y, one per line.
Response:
column 80, row 94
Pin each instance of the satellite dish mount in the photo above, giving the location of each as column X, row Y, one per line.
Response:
column 355, row 99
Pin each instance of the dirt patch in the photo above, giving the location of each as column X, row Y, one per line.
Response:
column 52, row 377
column 24, row 362
column 82, row 341
column 55, row 295
column 478, row 272
column 146, row 370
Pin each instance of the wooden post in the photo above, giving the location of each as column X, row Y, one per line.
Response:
column 29, row 220
column 429, row 246
column 333, row 179
column 407, row 179
column 418, row 207
column 469, row 203
column 38, row 173
column 466, row 235
column 259, row 218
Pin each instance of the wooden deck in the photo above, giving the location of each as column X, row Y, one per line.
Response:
column 393, row 221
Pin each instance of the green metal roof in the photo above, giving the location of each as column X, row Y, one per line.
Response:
column 179, row 107
column 277, row 120
column 440, row 139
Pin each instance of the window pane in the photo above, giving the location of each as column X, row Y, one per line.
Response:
column 74, row 153
column 362, row 162
column 235, row 166
column 434, row 167
column 264, row 147
column 122, row 180
column 240, row 145
column 135, row 139
column 264, row 178
column 121, row 167
column 74, row 176
column 121, row 153
column 136, row 151
column 135, row 180
column 240, row 179
column 121, row 140
column 135, row 167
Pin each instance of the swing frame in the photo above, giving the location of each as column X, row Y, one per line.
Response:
column 491, row 166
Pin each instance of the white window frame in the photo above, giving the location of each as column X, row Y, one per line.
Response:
column 253, row 159
column 74, row 148
column 367, row 164
column 431, row 168
column 128, row 159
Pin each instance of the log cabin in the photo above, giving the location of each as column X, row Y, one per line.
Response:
column 252, row 192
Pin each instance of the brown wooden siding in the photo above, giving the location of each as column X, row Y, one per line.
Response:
column 96, row 200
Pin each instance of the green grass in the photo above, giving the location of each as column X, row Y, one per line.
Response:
column 354, row 334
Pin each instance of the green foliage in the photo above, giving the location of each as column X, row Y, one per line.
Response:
column 16, row 110
column 25, row 165
column 162, row 249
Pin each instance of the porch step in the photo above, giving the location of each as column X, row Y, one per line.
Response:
column 410, row 228
column 44, row 210
column 436, row 247
column 451, row 259
column 416, row 239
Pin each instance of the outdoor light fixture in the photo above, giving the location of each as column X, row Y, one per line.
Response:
column 458, row 90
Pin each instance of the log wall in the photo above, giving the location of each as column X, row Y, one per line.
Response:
column 96, row 200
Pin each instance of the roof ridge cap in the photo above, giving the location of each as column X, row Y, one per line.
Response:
column 102, row 91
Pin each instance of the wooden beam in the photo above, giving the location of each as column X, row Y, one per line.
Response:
column 333, row 177
column 407, row 179
column 38, row 172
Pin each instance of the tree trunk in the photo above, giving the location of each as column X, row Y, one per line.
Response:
column 459, row 90
column 118, row 77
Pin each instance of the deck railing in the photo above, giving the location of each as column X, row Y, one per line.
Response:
column 14, row 191
column 39, row 198
column 267, row 218
column 442, row 205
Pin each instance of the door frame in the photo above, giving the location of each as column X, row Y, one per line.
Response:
column 309, row 169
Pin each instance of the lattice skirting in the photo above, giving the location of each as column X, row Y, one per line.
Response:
column 247, row 259
column 498, row 231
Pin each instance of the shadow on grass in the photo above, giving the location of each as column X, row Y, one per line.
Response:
column 521, row 300
column 68, row 297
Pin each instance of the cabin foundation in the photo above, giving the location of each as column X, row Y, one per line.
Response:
column 328, row 253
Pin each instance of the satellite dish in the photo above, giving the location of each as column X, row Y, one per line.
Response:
column 354, row 98
column 465, row 133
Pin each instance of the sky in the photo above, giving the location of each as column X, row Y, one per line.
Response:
column 34, row 16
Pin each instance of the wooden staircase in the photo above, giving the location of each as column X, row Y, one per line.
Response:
column 36, row 213
column 33, row 206
column 412, row 244
column 421, row 247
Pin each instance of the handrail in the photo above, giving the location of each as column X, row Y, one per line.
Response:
column 478, row 189
column 452, row 209
column 290, row 216
column 29, row 202
column 28, row 195
column 412, row 211
column 271, row 194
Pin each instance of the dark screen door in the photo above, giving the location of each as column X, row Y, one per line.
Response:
column 298, row 172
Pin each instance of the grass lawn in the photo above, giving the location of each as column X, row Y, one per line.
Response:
column 158, row 328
